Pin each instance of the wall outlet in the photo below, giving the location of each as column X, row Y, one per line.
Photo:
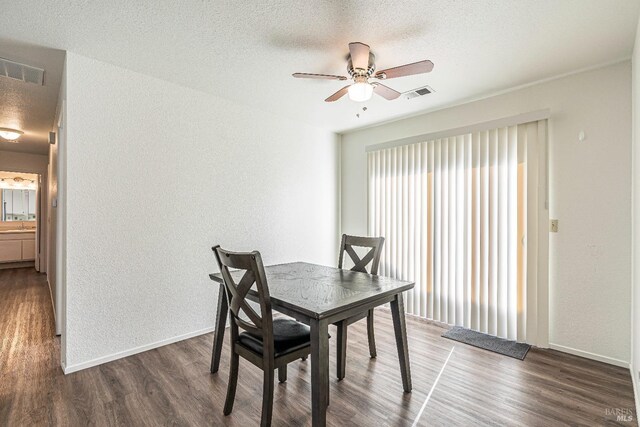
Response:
column 554, row 226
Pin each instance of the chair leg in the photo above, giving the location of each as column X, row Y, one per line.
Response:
column 282, row 374
column 341, row 356
column 267, row 398
column 233, row 381
column 370, row 334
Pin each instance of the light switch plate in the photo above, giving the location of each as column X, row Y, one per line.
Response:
column 554, row 226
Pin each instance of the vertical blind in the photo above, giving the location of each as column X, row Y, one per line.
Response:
column 453, row 212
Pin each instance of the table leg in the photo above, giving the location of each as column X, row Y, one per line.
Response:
column 400, row 329
column 341, row 346
column 221, row 324
column 319, row 371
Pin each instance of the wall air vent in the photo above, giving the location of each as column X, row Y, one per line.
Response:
column 22, row 72
column 421, row 91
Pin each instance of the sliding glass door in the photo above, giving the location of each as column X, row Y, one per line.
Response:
column 454, row 212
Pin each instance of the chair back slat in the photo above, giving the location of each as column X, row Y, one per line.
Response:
column 360, row 264
column 240, row 291
column 251, row 263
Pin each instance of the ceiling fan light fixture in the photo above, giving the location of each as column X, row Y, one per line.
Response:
column 10, row 134
column 360, row 91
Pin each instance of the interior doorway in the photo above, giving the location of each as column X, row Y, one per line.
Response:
column 20, row 231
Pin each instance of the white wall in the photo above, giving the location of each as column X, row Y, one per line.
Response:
column 590, row 188
column 156, row 174
column 635, row 284
column 22, row 162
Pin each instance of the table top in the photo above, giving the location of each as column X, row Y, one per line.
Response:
column 318, row 291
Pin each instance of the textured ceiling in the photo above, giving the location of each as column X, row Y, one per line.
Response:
column 26, row 106
column 247, row 50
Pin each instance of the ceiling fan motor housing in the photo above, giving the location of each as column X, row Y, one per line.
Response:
column 359, row 72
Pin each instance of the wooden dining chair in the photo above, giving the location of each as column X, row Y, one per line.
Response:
column 266, row 342
column 360, row 264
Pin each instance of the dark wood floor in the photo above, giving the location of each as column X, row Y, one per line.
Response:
column 172, row 384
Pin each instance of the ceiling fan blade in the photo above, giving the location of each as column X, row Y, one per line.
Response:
column 318, row 76
column 386, row 92
column 405, row 70
column 359, row 55
column 339, row 94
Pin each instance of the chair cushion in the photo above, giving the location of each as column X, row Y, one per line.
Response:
column 288, row 336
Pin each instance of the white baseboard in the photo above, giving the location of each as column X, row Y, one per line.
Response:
column 53, row 304
column 636, row 388
column 588, row 355
column 131, row 352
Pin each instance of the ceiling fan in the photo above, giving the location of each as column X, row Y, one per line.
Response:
column 361, row 67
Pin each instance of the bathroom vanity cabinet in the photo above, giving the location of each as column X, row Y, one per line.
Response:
column 17, row 245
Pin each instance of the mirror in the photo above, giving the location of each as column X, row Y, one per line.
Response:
column 18, row 205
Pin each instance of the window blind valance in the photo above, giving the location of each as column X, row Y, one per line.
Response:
column 529, row 117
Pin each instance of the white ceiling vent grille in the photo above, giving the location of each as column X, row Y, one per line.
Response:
column 421, row 91
column 22, row 72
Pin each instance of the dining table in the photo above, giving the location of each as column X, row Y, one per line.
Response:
column 318, row 296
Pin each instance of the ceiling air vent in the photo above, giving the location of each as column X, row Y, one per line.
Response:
column 421, row 91
column 22, row 72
